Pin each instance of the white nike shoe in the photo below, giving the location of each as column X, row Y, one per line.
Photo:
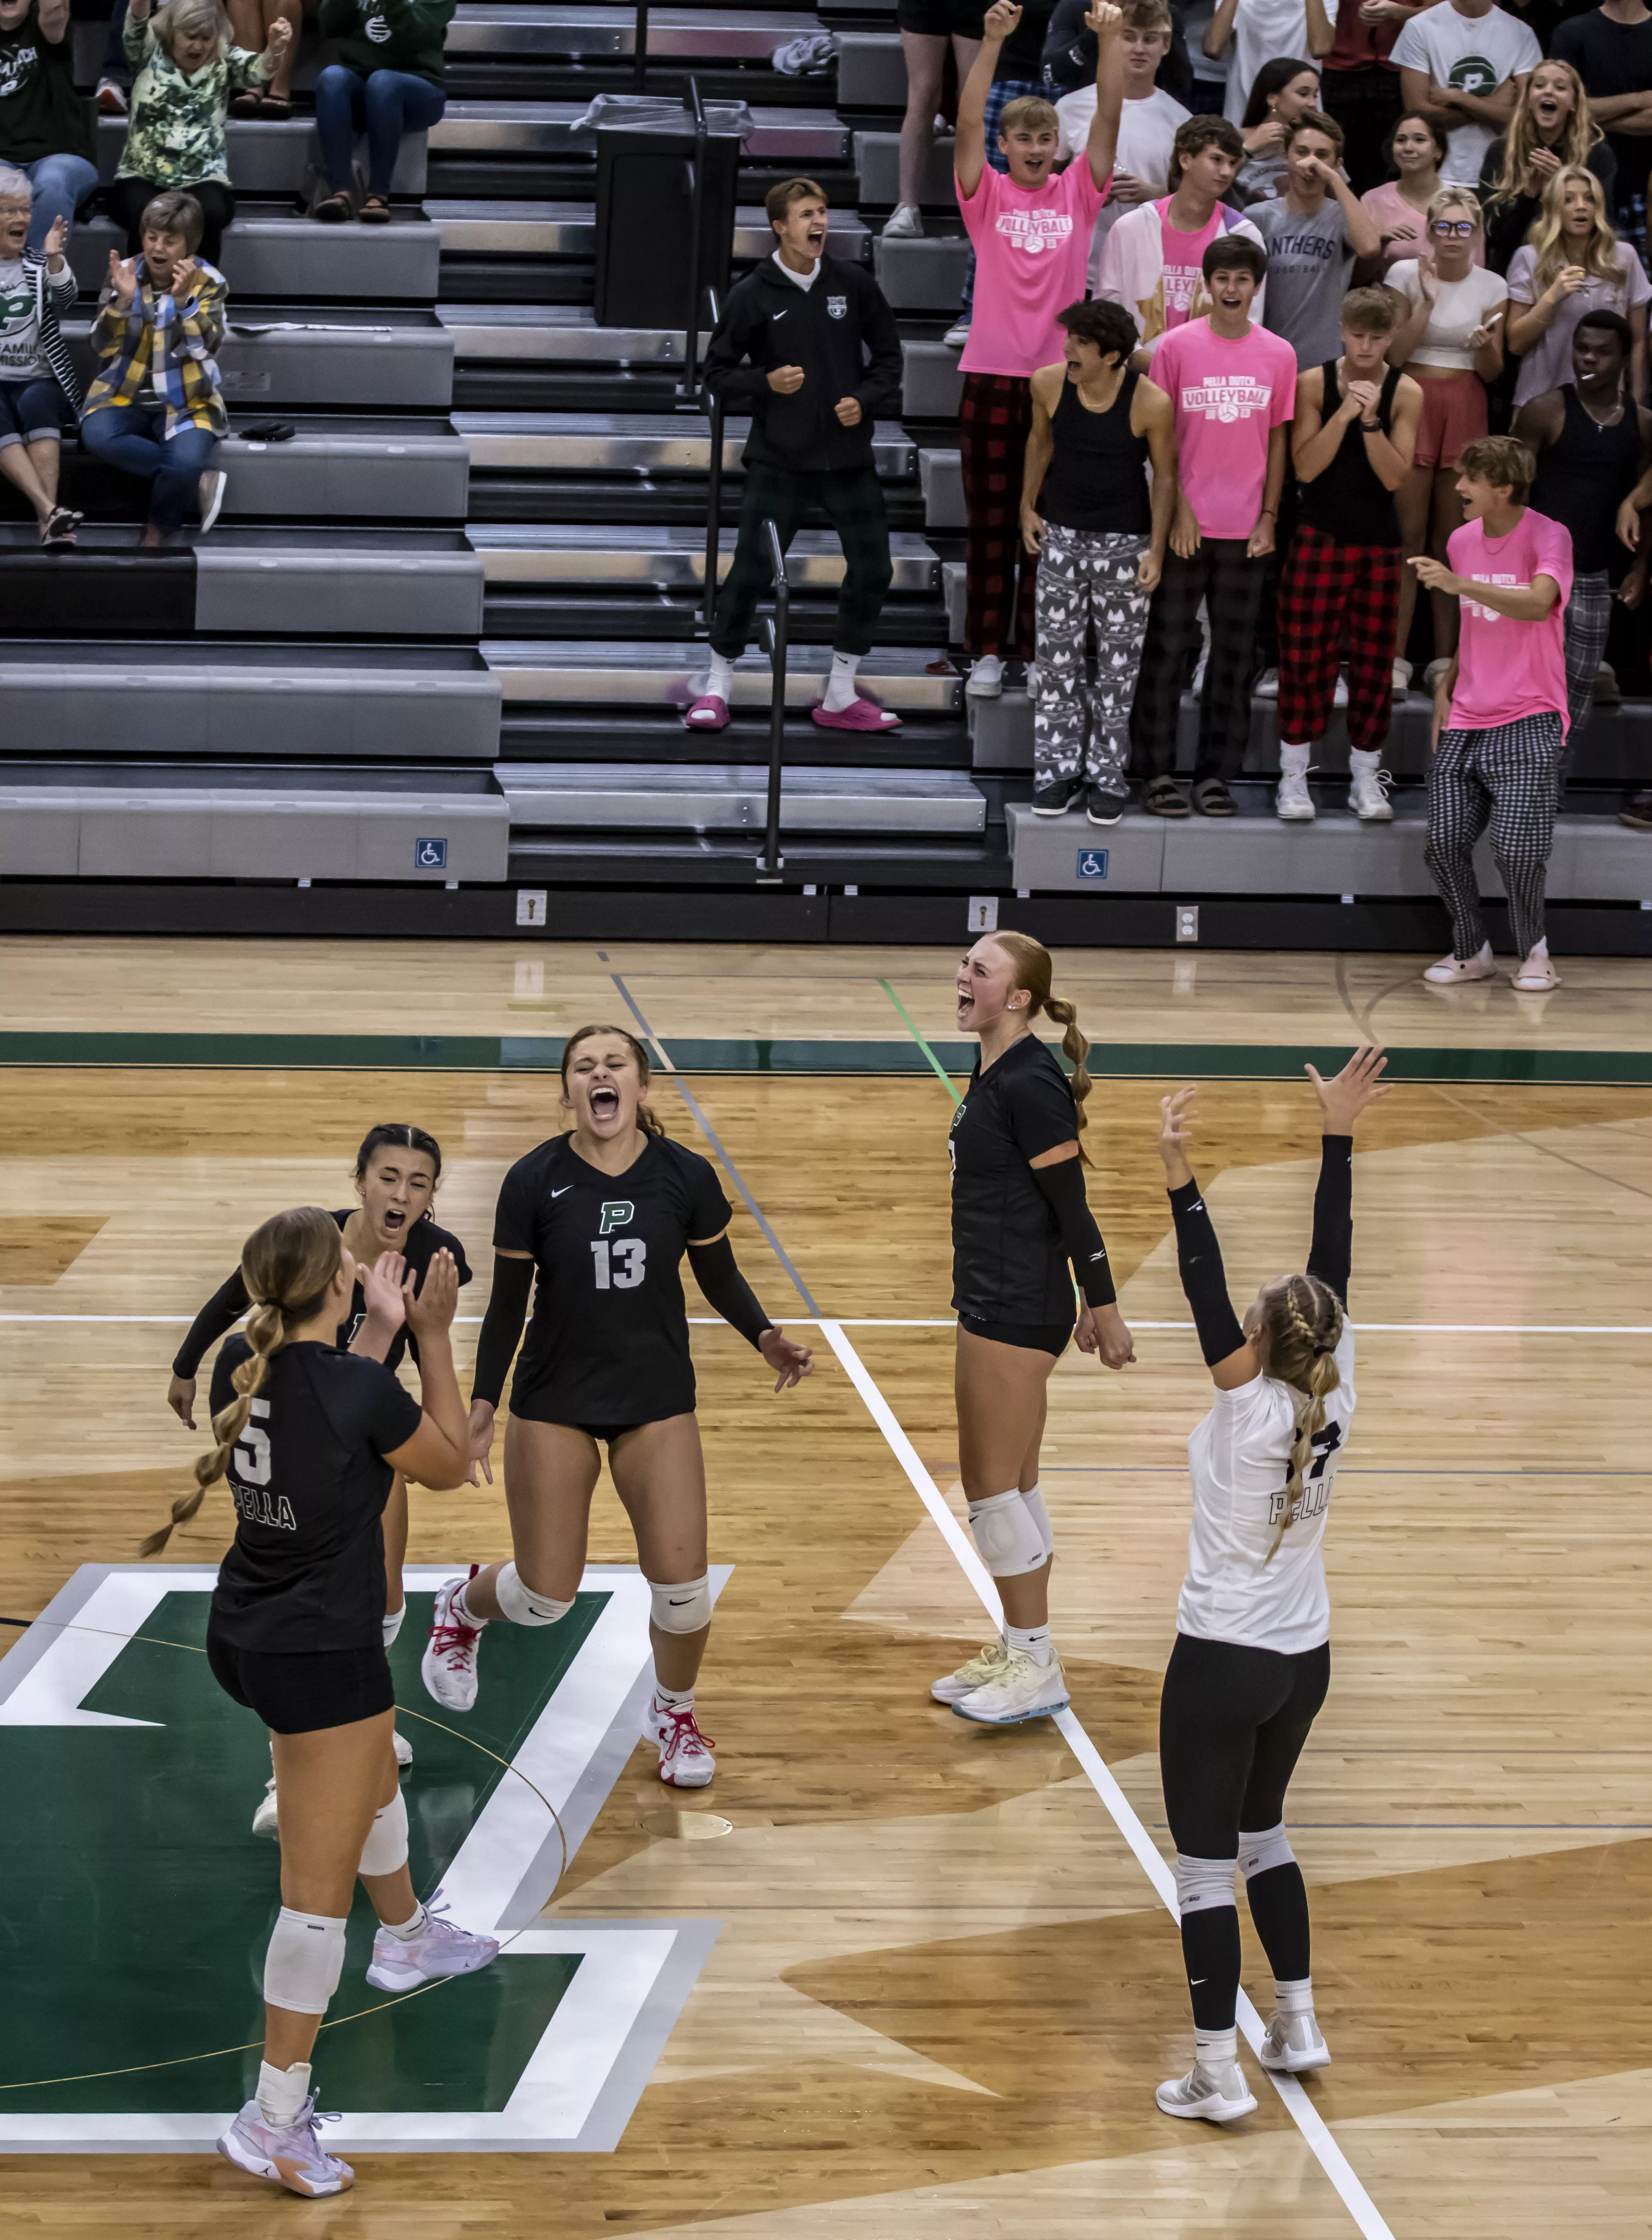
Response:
column 1219, row 2099
column 1293, row 2043
column 404, row 1749
column 685, row 1754
column 295, row 2158
column 448, row 1667
column 986, row 1665
column 441, row 1948
column 1368, row 797
column 905, row 223
column 1024, row 1690
column 265, row 1820
column 1292, row 801
column 1451, row 971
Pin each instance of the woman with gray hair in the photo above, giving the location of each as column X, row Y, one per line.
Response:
column 187, row 67
column 37, row 380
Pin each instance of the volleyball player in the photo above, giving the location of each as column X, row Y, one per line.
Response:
column 310, row 1437
column 397, row 1171
column 1252, row 1659
column 1019, row 1216
column 604, row 1213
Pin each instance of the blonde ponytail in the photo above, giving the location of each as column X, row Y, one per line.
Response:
column 1296, row 1338
column 287, row 1265
column 1034, row 971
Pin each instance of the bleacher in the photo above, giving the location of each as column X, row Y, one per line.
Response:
column 445, row 634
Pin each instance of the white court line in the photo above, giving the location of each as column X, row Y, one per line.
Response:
column 949, row 1321
column 1301, row 2109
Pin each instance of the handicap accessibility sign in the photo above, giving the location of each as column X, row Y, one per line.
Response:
column 430, row 855
column 1092, row 862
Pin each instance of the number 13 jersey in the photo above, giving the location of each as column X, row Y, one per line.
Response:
column 608, row 1341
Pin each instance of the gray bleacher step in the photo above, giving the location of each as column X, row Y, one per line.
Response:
column 349, row 470
column 270, row 250
column 496, row 229
column 559, row 334
column 941, row 479
column 723, row 34
column 922, row 275
column 663, row 674
column 877, row 164
column 545, row 128
column 931, row 380
column 141, row 830
column 338, row 355
column 669, row 796
column 871, row 70
column 631, row 443
column 669, row 559
column 274, row 159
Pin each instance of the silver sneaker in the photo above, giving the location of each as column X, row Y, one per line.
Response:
column 1222, row 2098
column 1293, row 2043
column 905, row 224
column 294, row 2158
column 987, row 1665
column 441, row 1948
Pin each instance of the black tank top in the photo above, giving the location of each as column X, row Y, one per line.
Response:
column 1348, row 500
column 1585, row 476
column 1097, row 478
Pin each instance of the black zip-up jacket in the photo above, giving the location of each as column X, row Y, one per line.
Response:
column 841, row 331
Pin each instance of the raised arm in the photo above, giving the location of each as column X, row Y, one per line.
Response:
column 1228, row 1354
column 970, row 147
column 717, row 1273
column 1341, row 1100
column 438, row 1454
column 1106, row 21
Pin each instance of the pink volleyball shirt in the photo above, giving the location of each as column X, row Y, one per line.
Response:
column 1509, row 669
column 1228, row 398
column 1032, row 255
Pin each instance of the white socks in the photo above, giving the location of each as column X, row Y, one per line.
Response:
column 1032, row 1640
column 391, row 1624
column 405, row 1931
column 460, row 1608
column 1215, row 2050
column 1295, row 1998
column 672, row 1699
column 281, row 2093
column 1293, row 761
column 719, row 685
column 1363, row 763
column 841, row 688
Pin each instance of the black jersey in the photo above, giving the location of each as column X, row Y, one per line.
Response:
column 308, row 1480
column 1008, row 1261
column 608, row 1341
column 230, row 1302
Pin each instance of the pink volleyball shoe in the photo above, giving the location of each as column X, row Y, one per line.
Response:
column 859, row 715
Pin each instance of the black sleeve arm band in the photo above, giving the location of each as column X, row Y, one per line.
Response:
column 1062, row 1185
column 727, row 1290
column 222, row 1312
column 1330, row 1256
column 513, row 1279
column 1204, row 1277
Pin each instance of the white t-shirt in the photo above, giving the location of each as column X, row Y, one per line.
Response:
column 804, row 280
column 1263, row 31
column 1247, row 1582
column 1147, row 131
column 1476, row 54
column 1461, row 306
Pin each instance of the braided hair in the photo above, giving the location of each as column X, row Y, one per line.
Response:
column 1296, row 1338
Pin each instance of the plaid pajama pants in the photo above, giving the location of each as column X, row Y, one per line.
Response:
column 1231, row 585
column 1324, row 585
column 1503, row 778
column 1588, row 617
column 1000, row 574
column 1080, row 728
column 852, row 500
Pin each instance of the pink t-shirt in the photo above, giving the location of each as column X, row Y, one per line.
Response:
column 1184, row 264
column 1510, row 668
column 1032, row 254
column 1227, row 396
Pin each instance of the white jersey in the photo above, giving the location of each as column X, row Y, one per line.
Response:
column 1247, row 1582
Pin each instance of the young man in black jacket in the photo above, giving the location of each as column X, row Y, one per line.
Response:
column 807, row 346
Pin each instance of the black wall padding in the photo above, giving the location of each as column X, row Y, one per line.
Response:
column 97, row 594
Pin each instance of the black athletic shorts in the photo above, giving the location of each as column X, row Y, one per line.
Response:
column 298, row 1695
column 942, row 19
column 553, row 1408
column 1232, row 1724
column 1036, row 1338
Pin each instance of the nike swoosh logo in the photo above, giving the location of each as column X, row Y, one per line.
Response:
column 563, row 1191
column 683, row 1605
column 778, row 316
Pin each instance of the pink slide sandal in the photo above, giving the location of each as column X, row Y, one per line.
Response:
column 708, row 713
column 859, row 715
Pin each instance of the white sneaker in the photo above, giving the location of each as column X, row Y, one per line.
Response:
column 1220, row 2099
column 1292, row 800
column 987, row 1665
column 295, row 2158
column 1032, row 682
column 905, row 223
column 1368, row 797
column 448, row 1667
column 1451, row 971
column 986, row 680
column 685, row 1754
column 213, row 486
column 1203, row 664
column 1025, row 1689
column 265, row 1820
column 1339, row 697
column 404, row 1749
column 1401, row 679
column 1293, row 2043
column 1267, row 685
column 958, row 334
column 1436, row 669
column 441, row 1948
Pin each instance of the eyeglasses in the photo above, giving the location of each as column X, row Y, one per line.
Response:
column 1449, row 228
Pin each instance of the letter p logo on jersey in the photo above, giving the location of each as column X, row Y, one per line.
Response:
column 617, row 1211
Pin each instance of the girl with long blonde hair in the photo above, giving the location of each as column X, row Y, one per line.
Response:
column 1552, row 128
column 1251, row 1664
column 1573, row 262
column 1020, row 1217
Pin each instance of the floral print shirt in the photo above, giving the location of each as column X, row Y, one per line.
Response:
column 176, row 135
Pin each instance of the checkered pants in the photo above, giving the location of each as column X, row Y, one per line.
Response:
column 1588, row 617
column 1231, row 585
column 1503, row 778
column 1000, row 574
column 1325, row 585
column 1080, row 728
column 852, row 500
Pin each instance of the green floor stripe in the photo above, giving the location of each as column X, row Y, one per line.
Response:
column 912, row 1056
column 944, row 1077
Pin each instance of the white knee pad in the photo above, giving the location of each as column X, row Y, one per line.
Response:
column 391, row 1624
column 1007, row 1534
column 304, row 1961
column 520, row 1603
column 1201, row 1884
column 1257, row 1854
column 386, row 1846
column 1033, row 1502
column 686, row 1608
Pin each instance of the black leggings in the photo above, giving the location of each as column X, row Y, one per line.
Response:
column 129, row 198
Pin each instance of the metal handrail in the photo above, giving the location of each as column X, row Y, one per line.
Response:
column 778, row 631
column 689, row 388
column 713, row 512
column 639, row 51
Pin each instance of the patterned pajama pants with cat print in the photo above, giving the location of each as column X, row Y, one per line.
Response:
column 1081, row 730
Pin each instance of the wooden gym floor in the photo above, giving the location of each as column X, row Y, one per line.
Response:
column 942, row 1987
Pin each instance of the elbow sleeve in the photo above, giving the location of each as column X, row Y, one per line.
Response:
column 501, row 1328
column 727, row 1290
column 1330, row 1256
column 1203, row 1278
column 1063, row 1188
